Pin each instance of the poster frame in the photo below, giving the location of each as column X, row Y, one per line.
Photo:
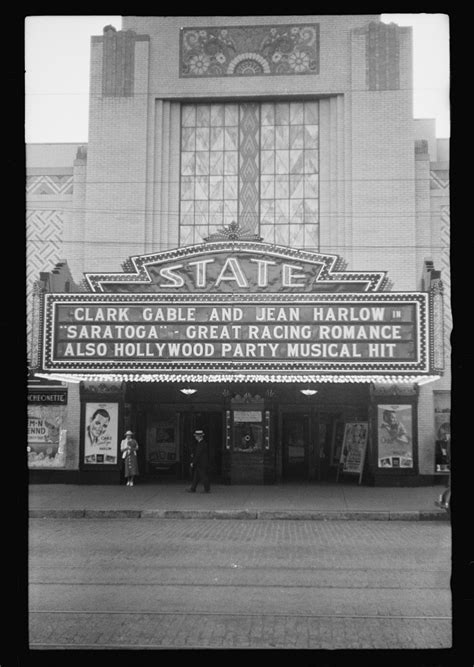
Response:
column 117, row 407
column 363, row 449
column 397, row 469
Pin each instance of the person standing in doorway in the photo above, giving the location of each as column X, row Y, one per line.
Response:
column 129, row 448
column 199, row 462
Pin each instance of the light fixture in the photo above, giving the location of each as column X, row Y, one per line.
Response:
column 309, row 392
column 60, row 378
column 188, row 391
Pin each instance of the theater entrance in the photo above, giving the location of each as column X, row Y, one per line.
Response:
column 211, row 423
column 310, row 446
column 300, row 440
column 295, row 446
column 167, row 434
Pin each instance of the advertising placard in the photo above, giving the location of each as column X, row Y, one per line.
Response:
column 46, row 439
column 354, row 448
column 100, row 433
column 162, row 451
column 395, row 436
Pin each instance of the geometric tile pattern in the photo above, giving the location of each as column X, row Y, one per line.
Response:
column 289, row 178
column 439, row 179
column 445, row 270
column 209, row 169
column 248, row 170
column 253, row 163
column 249, row 50
column 49, row 185
column 43, row 249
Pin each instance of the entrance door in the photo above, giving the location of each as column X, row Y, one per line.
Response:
column 295, row 433
column 162, row 455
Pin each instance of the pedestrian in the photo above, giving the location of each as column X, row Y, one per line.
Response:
column 444, row 501
column 199, row 462
column 129, row 447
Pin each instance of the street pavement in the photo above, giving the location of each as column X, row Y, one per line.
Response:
column 294, row 584
column 317, row 501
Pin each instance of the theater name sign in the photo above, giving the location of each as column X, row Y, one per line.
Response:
column 260, row 311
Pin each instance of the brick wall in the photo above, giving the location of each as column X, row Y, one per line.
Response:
column 117, row 174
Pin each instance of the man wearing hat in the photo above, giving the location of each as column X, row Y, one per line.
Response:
column 129, row 447
column 199, row 462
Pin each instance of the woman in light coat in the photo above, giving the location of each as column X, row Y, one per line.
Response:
column 129, row 447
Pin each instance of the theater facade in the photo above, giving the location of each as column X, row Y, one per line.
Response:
column 254, row 241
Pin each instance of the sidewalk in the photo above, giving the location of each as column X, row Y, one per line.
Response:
column 316, row 501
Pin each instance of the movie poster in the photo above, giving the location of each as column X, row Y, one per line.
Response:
column 162, row 451
column 354, row 446
column 100, row 433
column 395, row 436
column 46, row 439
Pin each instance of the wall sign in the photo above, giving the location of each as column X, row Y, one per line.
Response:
column 47, row 396
column 238, row 266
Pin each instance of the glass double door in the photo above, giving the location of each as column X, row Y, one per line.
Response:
column 307, row 445
column 168, row 437
column 296, row 446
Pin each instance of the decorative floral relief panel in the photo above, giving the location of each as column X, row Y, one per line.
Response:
column 250, row 50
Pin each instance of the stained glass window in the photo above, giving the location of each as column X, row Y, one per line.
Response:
column 254, row 163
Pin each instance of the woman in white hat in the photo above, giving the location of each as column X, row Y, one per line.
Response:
column 129, row 447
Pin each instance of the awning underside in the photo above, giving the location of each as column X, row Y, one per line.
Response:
column 237, row 377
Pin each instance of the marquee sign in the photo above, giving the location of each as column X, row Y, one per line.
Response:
column 237, row 307
column 240, row 266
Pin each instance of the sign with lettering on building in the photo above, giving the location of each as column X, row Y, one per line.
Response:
column 237, row 306
column 42, row 396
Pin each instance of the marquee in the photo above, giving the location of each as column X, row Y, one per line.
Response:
column 239, row 309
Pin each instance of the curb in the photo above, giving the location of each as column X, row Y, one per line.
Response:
column 265, row 515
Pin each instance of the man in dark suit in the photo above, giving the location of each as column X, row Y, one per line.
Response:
column 199, row 462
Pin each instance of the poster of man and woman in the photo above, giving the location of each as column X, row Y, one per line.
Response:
column 100, row 441
column 395, row 441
